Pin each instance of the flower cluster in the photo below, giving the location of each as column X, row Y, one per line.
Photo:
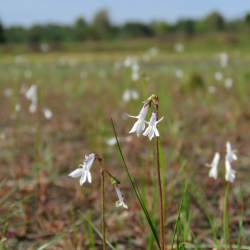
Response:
column 84, row 172
column 230, row 157
column 139, row 126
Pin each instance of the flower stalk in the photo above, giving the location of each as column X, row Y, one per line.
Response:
column 156, row 102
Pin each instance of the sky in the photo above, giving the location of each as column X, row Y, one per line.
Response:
column 29, row 12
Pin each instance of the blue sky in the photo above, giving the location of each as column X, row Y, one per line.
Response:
column 28, row 12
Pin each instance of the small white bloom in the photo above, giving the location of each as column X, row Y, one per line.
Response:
column 32, row 107
column 154, row 51
column 84, row 172
column 139, row 126
column 211, row 89
column 179, row 47
column 8, row 92
column 17, row 107
column 126, row 95
column 152, row 129
column 218, row 76
column 44, row 47
column 112, row 141
column 134, row 94
column 146, row 58
column 228, row 83
column 135, row 76
column 47, row 113
column 179, row 73
column 230, row 173
column 135, row 67
column 117, row 64
column 31, row 93
column 120, row 196
column 213, row 171
column 230, row 156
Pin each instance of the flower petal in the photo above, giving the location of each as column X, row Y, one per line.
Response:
column 156, row 131
column 89, row 177
column 133, row 116
column 159, row 120
column 76, row 173
column 83, row 178
column 151, row 134
column 134, row 127
column 146, row 131
column 141, row 126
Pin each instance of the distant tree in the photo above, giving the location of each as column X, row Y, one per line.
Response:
column 53, row 33
column 160, row 27
column 236, row 25
column 185, row 26
column 36, row 34
column 16, row 34
column 2, row 34
column 136, row 29
column 101, row 25
column 247, row 20
column 80, row 29
column 214, row 22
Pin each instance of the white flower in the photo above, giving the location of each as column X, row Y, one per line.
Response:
column 230, row 173
column 8, row 92
column 85, row 170
column 17, row 107
column 120, row 196
column 218, row 76
column 213, row 171
column 47, row 113
column 228, row 83
column 211, row 89
column 126, row 95
column 230, row 156
column 32, row 107
column 112, row 141
column 139, row 126
column 179, row 73
column 152, row 129
column 27, row 73
column 31, row 93
column 179, row 47
column 134, row 94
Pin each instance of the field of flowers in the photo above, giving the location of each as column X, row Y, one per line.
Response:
column 56, row 108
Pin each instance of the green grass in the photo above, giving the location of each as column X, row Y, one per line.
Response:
column 40, row 202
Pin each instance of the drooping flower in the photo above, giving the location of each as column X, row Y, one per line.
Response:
column 213, row 171
column 84, row 171
column 120, row 196
column 139, row 126
column 230, row 153
column 152, row 129
column 230, row 173
column 47, row 113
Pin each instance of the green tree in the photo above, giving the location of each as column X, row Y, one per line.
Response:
column 101, row 25
column 160, row 27
column 16, row 34
column 214, row 22
column 247, row 20
column 2, row 34
column 36, row 34
column 136, row 29
column 80, row 29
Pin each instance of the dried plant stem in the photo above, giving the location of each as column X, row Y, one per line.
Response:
column 226, row 217
column 103, row 203
column 162, row 241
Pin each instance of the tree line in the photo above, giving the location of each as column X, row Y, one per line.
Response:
column 101, row 28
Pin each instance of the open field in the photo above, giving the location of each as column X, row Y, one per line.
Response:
column 84, row 90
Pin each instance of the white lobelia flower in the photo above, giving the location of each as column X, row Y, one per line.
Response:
column 230, row 173
column 139, row 126
column 84, row 172
column 31, row 94
column 47, row 113
column 213, row 171
column 230, row 153
column 120, row 196
column 152, row 129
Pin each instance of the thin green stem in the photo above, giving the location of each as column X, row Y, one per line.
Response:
column 225, row 219
column 159, row 179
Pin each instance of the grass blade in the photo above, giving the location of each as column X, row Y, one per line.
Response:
column 179, row 213
column 225, row 214
column 241, row 221
column 207, row 213
column 97, row 231
column 134, row 188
